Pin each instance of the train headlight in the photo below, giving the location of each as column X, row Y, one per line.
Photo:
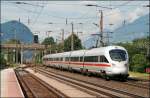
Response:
column 113, row 64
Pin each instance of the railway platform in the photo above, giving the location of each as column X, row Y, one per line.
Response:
column 9, row 84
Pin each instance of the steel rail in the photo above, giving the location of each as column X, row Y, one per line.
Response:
column 108, row 88
column 44, row 84
column 26, row 89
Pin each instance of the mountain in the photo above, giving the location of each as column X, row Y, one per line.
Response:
column 137, row 29
column 14, row 29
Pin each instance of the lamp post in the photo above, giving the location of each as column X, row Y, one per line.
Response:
column 80, row 26
column 62, row 39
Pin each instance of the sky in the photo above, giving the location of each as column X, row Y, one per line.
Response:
column 48, row 18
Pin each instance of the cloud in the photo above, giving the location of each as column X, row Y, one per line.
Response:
column 114, row 17
column 138, row 12
column 88, row 2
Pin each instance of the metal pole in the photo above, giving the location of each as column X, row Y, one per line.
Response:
column 101, row 29
column 63, row 39
column 22, row 54
column 35, row 59
column 72, row 43
column 15, row 39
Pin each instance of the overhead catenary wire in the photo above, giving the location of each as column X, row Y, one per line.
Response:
column 55, row 16
column 83, row 17
column 39, row 14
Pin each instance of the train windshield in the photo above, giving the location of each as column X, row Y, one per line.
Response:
column 118, row 55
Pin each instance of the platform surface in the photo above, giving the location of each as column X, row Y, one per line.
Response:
column 9, row 84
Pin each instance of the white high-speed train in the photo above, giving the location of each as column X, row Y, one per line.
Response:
column 108, row 61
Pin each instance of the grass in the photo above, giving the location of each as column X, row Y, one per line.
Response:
column 140, row 75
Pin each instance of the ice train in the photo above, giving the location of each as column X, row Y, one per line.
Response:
column 109, row 61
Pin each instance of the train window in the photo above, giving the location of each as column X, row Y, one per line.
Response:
column 74, row 58
column 54, row 59
column 67, row 59
column 71, row 58
column 61, row 59
column 50, row 59
column 81, row 59
column 118, row 55
column 91, row 59
column 103, row 59
column 57, row 59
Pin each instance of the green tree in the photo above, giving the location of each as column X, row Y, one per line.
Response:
column 48, row 41
column 77, row 43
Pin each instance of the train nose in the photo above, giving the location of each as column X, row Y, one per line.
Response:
column 120, row 68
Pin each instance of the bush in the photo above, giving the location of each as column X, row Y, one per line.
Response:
column 139, row 63
column 138, row 68
column 2, row 60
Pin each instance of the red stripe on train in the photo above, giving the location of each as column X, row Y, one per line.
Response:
column 80, row 63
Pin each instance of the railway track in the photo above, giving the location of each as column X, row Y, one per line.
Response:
column 33, row 87
column 97, row 89
column 138, row 83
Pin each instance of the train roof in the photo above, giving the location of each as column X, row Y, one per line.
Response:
column 101, row 50
column 78, row 53
column 90, row 52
